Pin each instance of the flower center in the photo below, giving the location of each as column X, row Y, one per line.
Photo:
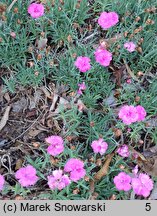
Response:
column 36, row 10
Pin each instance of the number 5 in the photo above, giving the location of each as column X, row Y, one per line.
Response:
column 148, row 207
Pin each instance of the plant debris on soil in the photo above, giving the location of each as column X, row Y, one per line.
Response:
column 38, row 95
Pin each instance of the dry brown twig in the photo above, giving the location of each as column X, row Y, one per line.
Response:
column 104, row 170
column 101, row 173
column 13, row 140
column 130, row 72
column 2, row 160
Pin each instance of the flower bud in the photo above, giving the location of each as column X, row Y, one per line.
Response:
column 125, row 34
column 15, row 10
column 140, row 73
column 137, row 19
column 39, row 57
column 13, row 34
column 137, row 99
column 139, row 50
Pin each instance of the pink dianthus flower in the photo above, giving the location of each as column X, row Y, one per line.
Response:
column 130, row 46
column 103, row 57
column 107, row 20
column 36, row 10
column 131, row 114
column 123, row 151
column 128, row 114
column 2, row 181
column 56, row 145
column 82, row 87
column 141, row 113
column 122, row 181
column 57, row 180
column 142, row 185
column 26, row 176
column 83, row 63
column 99, row 146
column 75, row 167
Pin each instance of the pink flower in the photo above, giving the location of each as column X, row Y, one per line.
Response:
column 107, row 20
column 27, row 176
column 142, row 185
column 36, row 10
column 83, row 63
column 130, row 46
column 2, row 181
column 99, row 146
column 135, row 170
column 56, row 145
column 128, row 81
column 122, row 181
column 141, row 113
column 128, row 114
column 57, row 180
column 123, row 151
column 75, row 167
column 82, row 87
column 103, row 57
